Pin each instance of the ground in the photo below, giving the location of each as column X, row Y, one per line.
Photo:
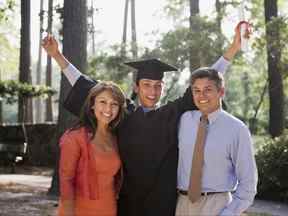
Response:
column 21, row 196
column 17, row 200
column 24, row 194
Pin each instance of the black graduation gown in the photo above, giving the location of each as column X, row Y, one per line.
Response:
column 148, row 146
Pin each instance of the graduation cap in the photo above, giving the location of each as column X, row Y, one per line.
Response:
column 150, row 68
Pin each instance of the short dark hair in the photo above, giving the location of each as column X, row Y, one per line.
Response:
column 210, row 73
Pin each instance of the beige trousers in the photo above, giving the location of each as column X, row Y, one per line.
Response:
column 210, row 205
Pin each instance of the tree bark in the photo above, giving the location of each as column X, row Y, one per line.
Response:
column 276, row 95
column 49, row 107
column 38, row 101
column 194, row 58
column 133, row 31
column 124, row 36
column 219, row 17
column 25, row 108
column 74, row 48
column 1, row 104
column 93, row 28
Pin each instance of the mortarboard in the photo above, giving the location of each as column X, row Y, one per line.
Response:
column 150, row 68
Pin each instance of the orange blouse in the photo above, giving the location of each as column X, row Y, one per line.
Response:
column 87, row 175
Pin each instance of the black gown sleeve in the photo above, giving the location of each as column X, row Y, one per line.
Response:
column 76, row 97
column 184, row 103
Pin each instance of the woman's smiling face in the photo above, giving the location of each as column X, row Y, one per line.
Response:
column 105, row 107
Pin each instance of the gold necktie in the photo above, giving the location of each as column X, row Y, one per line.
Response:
column 194, row 191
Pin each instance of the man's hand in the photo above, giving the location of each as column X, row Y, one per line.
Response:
column 236, row 44
column 50, row 45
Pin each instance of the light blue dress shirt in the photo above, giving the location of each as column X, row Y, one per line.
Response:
column 229, row 163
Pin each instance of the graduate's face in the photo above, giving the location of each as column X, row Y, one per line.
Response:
column 206, row 95
column 105, row 107
column 149, row 92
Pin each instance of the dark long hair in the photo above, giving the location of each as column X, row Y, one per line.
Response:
column 87, row 116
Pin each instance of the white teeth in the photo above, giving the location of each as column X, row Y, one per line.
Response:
column 203, row 101
column 106, row 114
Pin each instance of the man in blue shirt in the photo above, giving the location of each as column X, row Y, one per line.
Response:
column 228, row 176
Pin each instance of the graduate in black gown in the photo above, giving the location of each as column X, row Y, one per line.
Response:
column 147, row 137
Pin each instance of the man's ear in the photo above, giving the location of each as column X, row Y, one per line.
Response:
column 135, row 88
column 222, row 92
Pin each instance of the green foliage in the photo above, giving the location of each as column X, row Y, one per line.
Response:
column 109, row 66
column 5, row 7
column 106, row 67
column 247, row 76
column 176, row 9
column 272, row 163
column 245, row 82
column 10, row 90
column 204, row 41
column 174, row 47
column 9, row 55
column 247, row 102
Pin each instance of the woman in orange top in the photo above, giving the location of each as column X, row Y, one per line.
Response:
column 89, row 160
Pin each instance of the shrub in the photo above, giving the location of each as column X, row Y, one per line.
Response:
column 10, row 90
column 272, row 163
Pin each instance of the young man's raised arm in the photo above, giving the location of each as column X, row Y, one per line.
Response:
column 186, row 103
column 224, row 61
column 51, row 47
column 81, row 84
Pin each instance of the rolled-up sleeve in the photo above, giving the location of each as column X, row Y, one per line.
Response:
column 69, row 157
column 221, row 65
column 72, row 74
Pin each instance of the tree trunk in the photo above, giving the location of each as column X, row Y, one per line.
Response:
column 38, row 101
column 49, row 110
column 74, row 48
column 276, row 95
column 194, row 58
column 93, row 28
column 124, row 36
column 25, row 108
column 247, row 101
column 1, row 104
column 133, row 31
column 134, row 46
column 1, row 112
column 219, row 17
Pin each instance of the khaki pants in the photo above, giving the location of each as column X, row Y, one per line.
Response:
column 210, row 205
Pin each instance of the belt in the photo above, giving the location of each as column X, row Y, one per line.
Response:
column 185, row 193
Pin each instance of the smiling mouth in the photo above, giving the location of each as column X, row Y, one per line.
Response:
column 107, row 115
column 151, row 97
column 203, row 101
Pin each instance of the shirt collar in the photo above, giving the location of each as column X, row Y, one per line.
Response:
column 145, row 109
column 212, row 116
